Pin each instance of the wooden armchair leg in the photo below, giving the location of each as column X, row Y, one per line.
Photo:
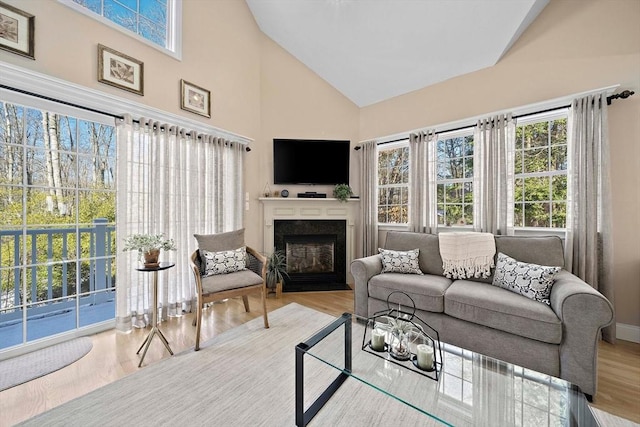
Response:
column 198, row 320
column 245, row 300
column 264, row 307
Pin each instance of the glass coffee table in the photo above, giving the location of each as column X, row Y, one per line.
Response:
column 470, row 390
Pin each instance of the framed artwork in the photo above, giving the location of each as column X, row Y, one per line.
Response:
column 17, row 30
column 195, row 99
column 120, row 70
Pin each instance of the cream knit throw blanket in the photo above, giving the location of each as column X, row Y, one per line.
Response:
column 467, row 254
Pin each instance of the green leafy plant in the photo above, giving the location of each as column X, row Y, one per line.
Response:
column 148, row 242
column 276, row 268
column 342, row 192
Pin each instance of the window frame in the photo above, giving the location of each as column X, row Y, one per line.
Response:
column 174, row 26
column 461, row 133
column 562, row 113
column 72, row 301
column 404, row 143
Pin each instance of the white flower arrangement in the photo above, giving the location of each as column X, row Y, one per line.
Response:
column 144, row 243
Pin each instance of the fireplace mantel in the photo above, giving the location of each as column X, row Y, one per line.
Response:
column 294, row 208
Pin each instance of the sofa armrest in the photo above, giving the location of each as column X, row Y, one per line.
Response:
column 362, row 270
column 583, row 312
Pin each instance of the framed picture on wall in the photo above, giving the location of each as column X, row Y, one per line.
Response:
column 195, row 99
column 120, row 70
column 17, row 29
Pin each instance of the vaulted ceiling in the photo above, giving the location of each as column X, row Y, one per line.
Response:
column 372, row 50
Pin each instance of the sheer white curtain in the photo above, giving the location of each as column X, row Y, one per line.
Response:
column 493, row 168
column 369, row 197
column 178, row 183
column 588, row 245
column 422, row 181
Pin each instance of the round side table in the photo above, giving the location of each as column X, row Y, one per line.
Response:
column 154, row 329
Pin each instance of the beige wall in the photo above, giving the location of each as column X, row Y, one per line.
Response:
column 295, row 103
column 573, row 46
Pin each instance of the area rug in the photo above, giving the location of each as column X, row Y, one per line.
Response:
column 27, row 367
column 609, row 420
column 242, row 377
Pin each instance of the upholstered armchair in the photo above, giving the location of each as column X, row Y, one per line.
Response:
column 224, row 267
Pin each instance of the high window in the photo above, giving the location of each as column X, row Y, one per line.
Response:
column 393, row 185
column 454, row 178
column 57, row 213
column 153, row 20
column 540, row 190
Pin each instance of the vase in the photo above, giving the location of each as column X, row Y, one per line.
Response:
column 151, row 258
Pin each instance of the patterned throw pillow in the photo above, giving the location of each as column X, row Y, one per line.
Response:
column 531, row 280
column 400, row 261
column 224, row 262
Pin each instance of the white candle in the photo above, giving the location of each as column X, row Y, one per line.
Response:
column 425, row 356
column 377, row 340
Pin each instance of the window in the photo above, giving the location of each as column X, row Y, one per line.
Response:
column 153, row 20
column 454, row 179
column 540, row 176
column 540, row 190
column 57, row 210
column 393, row 185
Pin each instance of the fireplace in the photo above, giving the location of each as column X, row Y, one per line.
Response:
column 316, row 254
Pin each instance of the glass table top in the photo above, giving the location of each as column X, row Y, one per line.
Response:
column 470, row 390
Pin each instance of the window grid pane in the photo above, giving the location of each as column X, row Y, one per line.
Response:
column 147, row 18
column 454, row 181
column 540, row 189
column 393, row 186
column 57, row 201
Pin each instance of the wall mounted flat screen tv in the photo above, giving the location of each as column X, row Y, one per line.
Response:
column 310, row 161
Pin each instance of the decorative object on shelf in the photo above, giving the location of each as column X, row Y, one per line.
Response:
column 342, row 192
column 284, row 193
column 195, row 98
column 148, row 247
column 17, row 31
column 396, row 336
column 119, row 70
column 276, row 193
column 266, row 191
column 276, row 271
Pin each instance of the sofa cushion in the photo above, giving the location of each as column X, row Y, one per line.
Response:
column 530, row 280
column 429, row 258
column 427, row 291
column 224, row 282
column 400, row 261
column 544, row 250
column 501, row 309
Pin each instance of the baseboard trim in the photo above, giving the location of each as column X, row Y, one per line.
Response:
column 628, row 332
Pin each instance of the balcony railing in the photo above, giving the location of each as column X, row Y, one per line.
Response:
column 79, row 291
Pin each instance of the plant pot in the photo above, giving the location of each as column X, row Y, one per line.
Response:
column 151, row 258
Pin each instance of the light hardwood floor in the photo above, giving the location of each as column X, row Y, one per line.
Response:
column 114, row 355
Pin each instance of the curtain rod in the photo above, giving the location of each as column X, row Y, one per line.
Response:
column 622, row 95
column 71, row 104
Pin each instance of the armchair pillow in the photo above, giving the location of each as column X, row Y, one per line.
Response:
column 223, row 262
column 400, row 261
column 530, row 280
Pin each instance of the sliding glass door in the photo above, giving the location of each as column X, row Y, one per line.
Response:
column 57, row 222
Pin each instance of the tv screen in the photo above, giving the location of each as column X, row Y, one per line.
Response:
column 310, row 161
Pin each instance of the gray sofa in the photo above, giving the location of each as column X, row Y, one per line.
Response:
column 559, row 340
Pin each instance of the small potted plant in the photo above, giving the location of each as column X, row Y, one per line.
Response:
column 342, row 192
column 276, row 271
column 148, row 247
